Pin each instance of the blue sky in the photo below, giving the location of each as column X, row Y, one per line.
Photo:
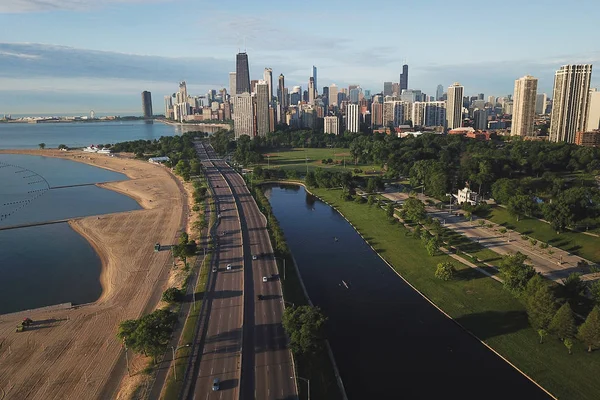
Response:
column 71, row 56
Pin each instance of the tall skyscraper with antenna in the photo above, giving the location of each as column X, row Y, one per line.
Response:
column 242, row 74
column 404, row 78
column 314, row 75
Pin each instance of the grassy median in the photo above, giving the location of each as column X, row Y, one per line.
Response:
column 173, row 387
column 478, row 303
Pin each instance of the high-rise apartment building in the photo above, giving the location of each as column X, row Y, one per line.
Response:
column 403, row 79
column 353, row 118
column 593, row 119
column 311, row 90
column 480, row 96
column 262, row 108
column 541, row 100
column 523, row 114
column 570, row 99
column 232, row 84
column 314, row 76
column 418, row 113
column 243, row 115
column 439, row 92
column 396, row 89
column 281, row 98
column 242, row 72
column 454, row 106
column 393, row 112
column 168, row 106
column 181, row 96
column 253, row 84
column 492, row 100
column 332, row 125
column 376, row 114
column 333, row 94
column 480, row 119
column 411, row 95
column 435, row 113
column 355, row 94
column 387, row 89
column 268, row 76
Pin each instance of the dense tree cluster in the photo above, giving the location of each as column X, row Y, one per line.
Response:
column 305, row 327
column 149, row 334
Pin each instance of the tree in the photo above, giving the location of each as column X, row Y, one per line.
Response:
column 533, row 285
column 433, row 246
column 558, row 214
column 515, row 272
column 42, row 146
column 305, row 327
column 389, row 210
column 520, row 206
column 595, row 291
column 589, row 331
column 541, row 307
column 568, row 344
column 533, row 242
column 563, row 322
column 542, row 333
column 445, row 271
column 150, row 334
column 172, row 295
column 310, row 179
column 414, row 208
column 371, row 185
column 573, row 285
column 62, row 146
column 371, row 200
column 504, row 189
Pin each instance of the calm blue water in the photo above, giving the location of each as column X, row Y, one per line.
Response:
column 80, row 134
column 388, row 342
column 50, row 264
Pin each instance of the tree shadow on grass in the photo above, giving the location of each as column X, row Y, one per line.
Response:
column 494, row 323
column 468, row 274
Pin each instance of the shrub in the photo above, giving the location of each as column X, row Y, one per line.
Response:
column 172, row 295
column 445, row 271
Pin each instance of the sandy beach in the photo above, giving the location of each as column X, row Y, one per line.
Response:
column 70, row 353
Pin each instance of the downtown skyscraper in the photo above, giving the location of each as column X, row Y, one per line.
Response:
column 524, row 106
column 268, row 76
column 403, row 79
column 262, row 108
column 314, row 76
column 570, row 102
column 454, row 106
column 147, row 104
column 242, row 74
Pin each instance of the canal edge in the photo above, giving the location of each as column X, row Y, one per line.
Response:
column 414, row 288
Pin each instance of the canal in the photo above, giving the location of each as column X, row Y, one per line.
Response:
column 388, row 341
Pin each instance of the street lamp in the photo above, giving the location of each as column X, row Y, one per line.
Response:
column 283, row 259
column 307, row 382
column 175, row 349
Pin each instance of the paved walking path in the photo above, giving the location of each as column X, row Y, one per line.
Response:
column 556, row 266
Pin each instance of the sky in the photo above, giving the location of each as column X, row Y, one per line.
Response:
column 73, row 56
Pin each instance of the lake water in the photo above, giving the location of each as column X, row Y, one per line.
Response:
column 388, row 341
column 50, row 264
column 80, row 134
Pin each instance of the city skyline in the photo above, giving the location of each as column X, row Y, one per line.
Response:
column 132, row 56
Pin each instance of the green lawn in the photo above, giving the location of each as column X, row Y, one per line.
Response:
column 478, row 303
column 287, row 159
column 574, row 242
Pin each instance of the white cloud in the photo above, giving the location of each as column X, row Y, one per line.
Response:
column 18, row 55
column 25, row 6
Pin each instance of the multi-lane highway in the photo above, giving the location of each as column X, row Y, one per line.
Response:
column 266, row 365
column 220, row 354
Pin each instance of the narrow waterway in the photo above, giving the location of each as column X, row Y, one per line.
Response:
column 389, row 342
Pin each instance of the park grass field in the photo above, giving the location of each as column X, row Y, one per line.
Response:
column 577, row 243
column 478, row 303
column 296, row 159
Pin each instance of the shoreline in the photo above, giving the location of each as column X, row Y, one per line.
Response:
column 100, row 251
column 75, row 350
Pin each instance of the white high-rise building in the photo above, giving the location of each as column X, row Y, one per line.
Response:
column 541, row 102
column 593, row 119
column 333, row 94
column 311, row 91
column 168, row 106
column 393, row 111
column 492, row 100
column 570, row 102
column 352, row 118
column 454, row 106
column 268, row 76
column 332, row 125
column 232, row 83
column 262, row 108
column 524, row 100
column 243, row 115
column 419, row 112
